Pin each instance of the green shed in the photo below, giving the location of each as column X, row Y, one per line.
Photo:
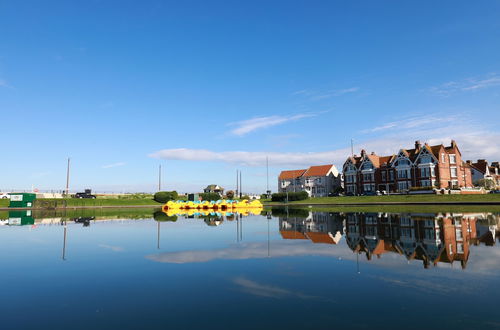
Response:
column 21, row 218
column 22, row 199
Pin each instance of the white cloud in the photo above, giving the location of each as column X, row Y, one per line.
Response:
column 247, row 126
column 465, row 85
column 252, row 158
column 114, row 165
column 315, row 95
column 4, row 83
column 474, row 139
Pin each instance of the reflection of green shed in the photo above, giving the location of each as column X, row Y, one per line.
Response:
column 22, row 199
column 20, row 218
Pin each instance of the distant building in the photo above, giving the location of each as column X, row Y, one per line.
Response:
column 317, row 181
column 483, row 170
column 213, row 188
column 423, row 166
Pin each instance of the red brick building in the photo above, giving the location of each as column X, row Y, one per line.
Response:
column 423, row 166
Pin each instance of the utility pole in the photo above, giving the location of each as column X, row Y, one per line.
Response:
column 159, row 178
column 352, row 148
column 267, row 175
column 237, row 184
column 67, row 177
column 241, row 189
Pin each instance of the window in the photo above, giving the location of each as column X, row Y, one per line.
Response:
column 425, row 159
column 403, row 162
column 369, row 187
column 460, row 248
column 425, row 183
column 453, row 159
column 403, row 185
column 368, row 177
column 458, row 234
column 367, row 166
column 425, row 172
column 403, row 174
column 453, row 171
column 384, row 176
column 391, row 175
column 443, row 158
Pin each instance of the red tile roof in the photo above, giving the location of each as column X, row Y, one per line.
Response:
column 291, row 174
column 321, row 170
column 292, row 234
column 320, row 238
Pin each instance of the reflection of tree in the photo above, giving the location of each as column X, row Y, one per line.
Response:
column 161, row 216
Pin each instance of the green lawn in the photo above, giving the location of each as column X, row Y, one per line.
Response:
column 398, row 199
column 92, row 202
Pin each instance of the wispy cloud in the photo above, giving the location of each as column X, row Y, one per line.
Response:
column 113, row 165
column 316, row 95
column 415, row 122
column 466, row 85
column 4, row 83
column 244, row 127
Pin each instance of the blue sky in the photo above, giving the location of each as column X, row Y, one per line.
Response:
column 208, row 87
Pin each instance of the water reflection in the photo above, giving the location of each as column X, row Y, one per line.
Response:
column 429, row 237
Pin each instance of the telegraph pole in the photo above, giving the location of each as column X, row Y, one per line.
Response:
column 267, row 174
column 352, row 148
column 159, row 178
column 237, row 184
column 241, row 189
column 67, row 177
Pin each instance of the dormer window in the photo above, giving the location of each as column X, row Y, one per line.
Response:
column 367, row 166
column 425, row 159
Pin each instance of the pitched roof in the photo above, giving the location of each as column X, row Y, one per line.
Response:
column 480, row 166
column 317, row 237
column 292, row 234
column 292, row 174
column 320, row 170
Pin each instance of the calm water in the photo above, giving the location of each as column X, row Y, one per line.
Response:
column 285, row 269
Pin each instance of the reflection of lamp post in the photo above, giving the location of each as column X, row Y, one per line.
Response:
column 357, row 262
column 158, row 238
column 268, row 242
column 64, row 243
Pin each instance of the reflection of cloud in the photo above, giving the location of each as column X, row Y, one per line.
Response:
column 253, row 250
column 268, row 291
column 112, row 248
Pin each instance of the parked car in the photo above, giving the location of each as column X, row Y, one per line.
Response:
column 370, row 193
column 349, row 194
column 4, row 196
column 86, row 194
column 495, row 191
column 84, row 220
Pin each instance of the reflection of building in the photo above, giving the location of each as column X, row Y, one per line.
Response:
column 319, row 227
column 213, row 188
column 427, row 237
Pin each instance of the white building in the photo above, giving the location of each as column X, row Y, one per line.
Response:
column 317, row 181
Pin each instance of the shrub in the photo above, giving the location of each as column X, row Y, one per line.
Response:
column 210, row 196
column 230, row 194
column 292, row 196
column 289, row 212
column 421, row 188
column 165, row 196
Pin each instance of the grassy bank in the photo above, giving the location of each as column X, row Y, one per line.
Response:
column 397, row 199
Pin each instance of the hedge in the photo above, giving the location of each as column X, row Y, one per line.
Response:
column 292, row 196
column 165, row 196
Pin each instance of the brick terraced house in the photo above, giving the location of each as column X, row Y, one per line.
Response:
column 317, row 181
column 423, row 166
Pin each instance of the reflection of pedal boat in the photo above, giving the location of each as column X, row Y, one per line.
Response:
column 220, row 205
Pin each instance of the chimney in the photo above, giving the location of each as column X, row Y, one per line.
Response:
column 481, row 160
column 418, row 145
column 363, row 152
column 453, row 144
column 373, row 153
column 469, row 162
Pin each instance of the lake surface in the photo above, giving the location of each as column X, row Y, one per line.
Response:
column 285, row 268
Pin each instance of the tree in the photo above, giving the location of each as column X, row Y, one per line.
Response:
column 165, row 196
column 230, row 194
column 487, row 184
